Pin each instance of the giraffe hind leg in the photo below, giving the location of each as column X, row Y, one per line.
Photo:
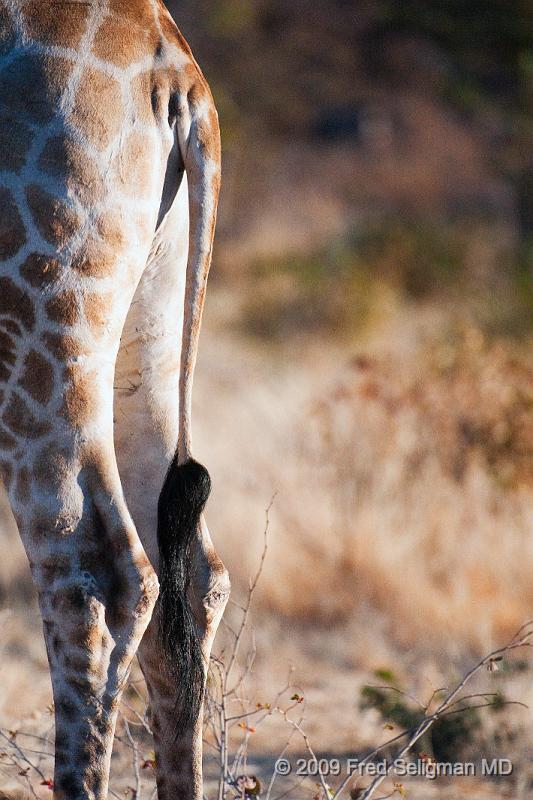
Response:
column 96, row 592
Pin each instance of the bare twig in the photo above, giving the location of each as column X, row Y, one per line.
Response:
column 135, row 761
column 251, row 589
column 21, row 754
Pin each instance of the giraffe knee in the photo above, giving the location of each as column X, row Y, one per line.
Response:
column 133, row 594
column 92, row 595
column 145, row 594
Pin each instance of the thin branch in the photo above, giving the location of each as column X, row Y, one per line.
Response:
column 251, row 590
column 142, row 719
column 12, row 743
column 135, row 761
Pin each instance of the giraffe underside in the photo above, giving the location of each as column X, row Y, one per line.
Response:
column 91, row 96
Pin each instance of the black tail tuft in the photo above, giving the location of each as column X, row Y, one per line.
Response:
column 181, row 502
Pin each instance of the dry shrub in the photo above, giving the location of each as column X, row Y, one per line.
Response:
column 414, row 495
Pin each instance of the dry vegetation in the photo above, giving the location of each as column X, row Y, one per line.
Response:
column 402, row 467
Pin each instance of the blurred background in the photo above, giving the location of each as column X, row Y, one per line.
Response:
column 366, row 353
column 372, row 146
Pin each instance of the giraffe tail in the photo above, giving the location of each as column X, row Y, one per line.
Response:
column 187, row 483
column 181, row 503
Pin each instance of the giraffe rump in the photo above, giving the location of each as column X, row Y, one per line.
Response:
column 181, row 502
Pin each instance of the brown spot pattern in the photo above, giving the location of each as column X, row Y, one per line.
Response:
column 111, row 229
column 80, row 402
column 134, row 165
column 63, row 346
column 63, row 158
column 68, row 784
column 40, row 271
column 12, row 327
column 140, row 12
column 54, row 568
column 96, row 258
column 85, row 637
column 99, row 255
column 75, row 598
column 12, row 232
column 55, row 220
column 98, row 110
column 19, row 418
column 69, row 711
column 63, row 308
column 31, row 86
column 22, row 490
column 55, row 23
column 79, row 661
column 6, row 471
column 197, row 93
column 7, row 442
column 15, row 141
column 98, row 309
column 91, row 558
column 16, row 303
column 38, row 377
column 114, row 41
column 51, row 467
column 99, row 115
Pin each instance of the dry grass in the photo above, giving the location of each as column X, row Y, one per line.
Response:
column 425, row 470
column 404, row 477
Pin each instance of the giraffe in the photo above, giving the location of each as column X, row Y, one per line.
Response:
column 109, row 180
